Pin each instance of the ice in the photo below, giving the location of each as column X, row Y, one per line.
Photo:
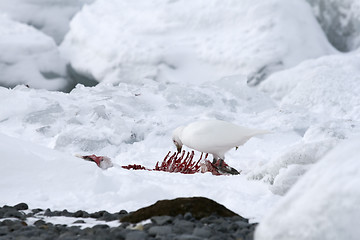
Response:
column 340, row 20
column 29, row 57
column 323, row 204
column 192, row 42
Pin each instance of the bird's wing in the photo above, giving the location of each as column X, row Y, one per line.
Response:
column 209, row 135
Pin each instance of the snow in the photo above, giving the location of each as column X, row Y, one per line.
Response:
column 50, row 17
column 116, row 41
column 327, row 85
column 323, row 204
column 48, row 178
column 164, row 64
column 29, row 57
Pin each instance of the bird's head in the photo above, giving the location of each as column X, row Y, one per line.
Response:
column 176, row 137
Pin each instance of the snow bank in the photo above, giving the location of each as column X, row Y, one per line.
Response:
column 51, row 17
column 324, row 204
column 29, row 57
column 327, row 85
column 324, row 95
column 340, row 20
column 120, row 41
column 48, row 178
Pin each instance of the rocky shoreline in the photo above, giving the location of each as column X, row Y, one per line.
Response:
column 19, row 222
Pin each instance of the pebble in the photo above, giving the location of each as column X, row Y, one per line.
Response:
column 182, row 227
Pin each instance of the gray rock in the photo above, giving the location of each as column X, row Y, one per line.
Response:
column 203, row 232
column 187, row 237
column 39, row 223
column 13, row 213
column 3, row 230
column 136, row 235
column 183, row 226
column 161, row 220
column 160, row 230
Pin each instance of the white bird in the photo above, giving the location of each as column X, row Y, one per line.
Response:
column 213, row 136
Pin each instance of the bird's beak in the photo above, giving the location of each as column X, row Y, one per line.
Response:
column 179, row 148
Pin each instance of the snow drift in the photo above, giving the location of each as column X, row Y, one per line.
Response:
column 120, row 41
column 324, row 204
column 29, row 57
column 50, row 17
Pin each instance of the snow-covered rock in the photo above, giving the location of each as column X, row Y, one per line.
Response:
column 51, row 17
column 29, row 57
column 126, row 41
column 324, row 204
column 340, row 20
column 327, row 85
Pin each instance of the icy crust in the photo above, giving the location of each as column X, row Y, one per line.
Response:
column 50, row 17
column 29, row 57
column 120, row 41
column 327, row 85
column 340, row 20
column 324, row 204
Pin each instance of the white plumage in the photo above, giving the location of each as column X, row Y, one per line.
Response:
column 213, row 136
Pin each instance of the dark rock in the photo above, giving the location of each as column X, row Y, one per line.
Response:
column 48, row 213
column 81, row 213
column 161, row 220
column 6, row 222
column 39, row 223
column 21, row 206
column 97, row 215
column 67, row 236
column 122, row 212
column 79, row 221
column 188, row 216
column 250, row 236
column 136, row 235
column 17, row 225
column 118, row 233
column 66, row 213
column 160, row 230
column 4, row 230
column 100, row 226
column 203, row 232
column 108, row 216
column 187, row 237
column 37, row 210
column 13, row 213
column 199, row 207
column 183, row 226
